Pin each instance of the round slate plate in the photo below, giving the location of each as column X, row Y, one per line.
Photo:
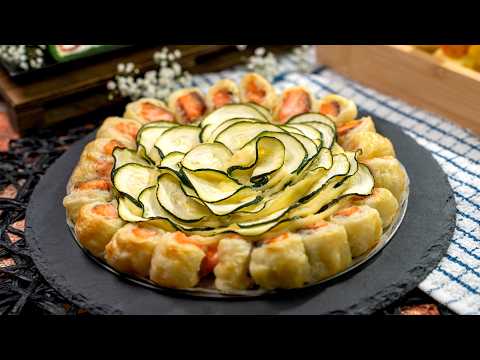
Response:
column 419, row 244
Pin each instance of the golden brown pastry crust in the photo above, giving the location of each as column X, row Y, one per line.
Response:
column 281, row 264
column 131, row 248
column 363, row 227
column 95, row 230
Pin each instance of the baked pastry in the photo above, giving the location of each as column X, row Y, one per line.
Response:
column 239, row 191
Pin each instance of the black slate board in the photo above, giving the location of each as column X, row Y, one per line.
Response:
column 419, row 244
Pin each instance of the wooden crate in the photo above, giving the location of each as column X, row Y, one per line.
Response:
column 412, row 75
column 81, row 90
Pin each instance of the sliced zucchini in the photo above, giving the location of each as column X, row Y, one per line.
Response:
column 213, row 156
column 159, row 123
column 225, row 113
column 314, row 118
column 291, row 129
column 131, row 179
column 239, row 134
column 151, row 206
column 339, row 168
column 154, row 155
column 310, row 132
column 323, row 159
column 129, row 211
column 263, row 155
column 178, row 139
column 264, row 220
column 172, row 161
column 212, row 185
column 226, row 124
column 308, row 144
column 243, row 198
column 295, row 152
column 124, row 156
column 172, row 199
column 328, row 135
column 361, row 183
column 336, row 149
column 266, row 113
column 146, row 138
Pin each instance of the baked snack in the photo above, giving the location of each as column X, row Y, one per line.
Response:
column 237, row 191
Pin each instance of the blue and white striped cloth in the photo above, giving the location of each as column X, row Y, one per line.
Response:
column 455, row 282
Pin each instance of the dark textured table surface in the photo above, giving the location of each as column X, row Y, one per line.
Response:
column 22, row 288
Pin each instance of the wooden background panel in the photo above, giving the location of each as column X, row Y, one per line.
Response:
column 81, row 90
column 413, row 76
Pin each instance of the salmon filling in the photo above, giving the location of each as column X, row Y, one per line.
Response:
column 342, row 130
column 111, row 145
column 211, row 255
column 222, row 97
column 455, row 51
column 105, row 210
column 94, row 185
column 152, row 112
column 127, row 129
column 103, row 168
column 191, row 106
column 317, row 225
column 209, row 261
column 275, row 239
column 294, row 103
column 143, row 232
column 255, row 93
column 348, row 211
column 330, row 108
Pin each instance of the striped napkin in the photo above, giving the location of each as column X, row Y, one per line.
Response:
column 455, row 282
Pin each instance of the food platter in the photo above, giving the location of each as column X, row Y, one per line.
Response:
column 239, row 192
column 390, row 273
column 211, row 292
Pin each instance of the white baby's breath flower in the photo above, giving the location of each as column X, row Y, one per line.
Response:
column 121, row 67
column 159, row 83
column 263, row 63
column 129, row 67
column 302, row 57
column 177, row 69
column 111, row 85
column 260, row 51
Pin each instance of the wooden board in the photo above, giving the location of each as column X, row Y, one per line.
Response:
column 412, row 75
column 81, row 90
